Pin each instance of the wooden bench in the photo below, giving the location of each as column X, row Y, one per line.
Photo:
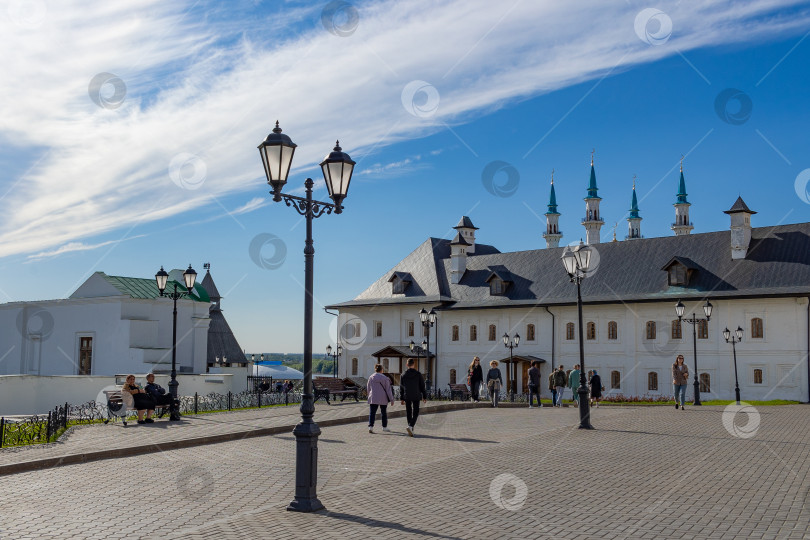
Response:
column 459, row 390
column 115, row 406
column 325, row 387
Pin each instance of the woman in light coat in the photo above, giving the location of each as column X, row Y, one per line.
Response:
column 380, row 394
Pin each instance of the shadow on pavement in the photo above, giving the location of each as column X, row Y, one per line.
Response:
column 369, row 522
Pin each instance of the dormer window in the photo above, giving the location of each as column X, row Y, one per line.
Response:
column 497, row 287
column 399, row 282
column 499, row 280
column 679, row 271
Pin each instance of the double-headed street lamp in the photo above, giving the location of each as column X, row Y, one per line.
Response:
column 428, row 319
column 694, row 321
column 277, row 152
column 334, row 356
column 577, row 262
column 417, row 349
column 511, row 343
column 734, row 340
column 162, row 277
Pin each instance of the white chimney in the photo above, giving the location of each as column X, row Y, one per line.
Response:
column 458, row 258
column 740, row 228
column 466, row 230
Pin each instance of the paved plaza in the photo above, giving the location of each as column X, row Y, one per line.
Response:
column 645, row 472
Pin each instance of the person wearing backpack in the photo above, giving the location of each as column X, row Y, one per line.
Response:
column 560, row 382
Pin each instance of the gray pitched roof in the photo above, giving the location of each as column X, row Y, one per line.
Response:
column 777, row 264
column 739, row 206
column 465, row 223
column 459, row 241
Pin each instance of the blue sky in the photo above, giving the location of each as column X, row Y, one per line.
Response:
column 166, row 171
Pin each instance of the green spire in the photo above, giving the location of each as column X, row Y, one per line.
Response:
column 634, row 203
column 681, row 199
column 592, row 189
column 552, row 200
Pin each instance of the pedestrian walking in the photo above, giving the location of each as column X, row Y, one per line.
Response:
column 494, row 382
column 680, row 378
column 380, row 394
column 475, row 378
column 552, row 387
column 411, row 390
column 596, row 388
column 534, row 383
column 560, row 382
column 573, row 384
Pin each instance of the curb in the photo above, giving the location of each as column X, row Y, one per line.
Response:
column 112, row 453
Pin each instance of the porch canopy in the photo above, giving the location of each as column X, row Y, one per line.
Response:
column 511, row 374
column 403, row 351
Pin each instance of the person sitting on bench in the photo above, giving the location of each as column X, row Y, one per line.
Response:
column 158, row 393
column 142, row 402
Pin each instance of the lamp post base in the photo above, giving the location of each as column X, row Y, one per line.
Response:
column 697, row 394
column 174, row 412
column 737, row 392
column 306, row 462
column 584, row 409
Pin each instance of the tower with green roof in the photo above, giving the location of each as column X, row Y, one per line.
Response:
column 552, row 234
column 682, row 225
column 593, row 219
column 634, row 219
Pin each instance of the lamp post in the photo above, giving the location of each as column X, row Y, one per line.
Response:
column 428, row 319
column 277, row 152
column 734, row 340
column 577, row 263
column 694, row 321
column 162, row 277
column 334, row 356
column 511, row 344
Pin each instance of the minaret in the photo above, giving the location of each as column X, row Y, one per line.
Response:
column 593, row 220
column 552, row 234
column 634, row 221
column 682, row 224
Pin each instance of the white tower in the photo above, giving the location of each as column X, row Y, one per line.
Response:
column 740, row 228
column 552, row 234
column 682, row 224
column 593, row 219
column 466, row 230
column 634, row 221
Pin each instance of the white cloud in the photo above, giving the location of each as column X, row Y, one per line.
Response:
column 204, row 89
column 73, row 247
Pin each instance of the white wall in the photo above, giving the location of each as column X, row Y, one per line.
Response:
column 29, row 394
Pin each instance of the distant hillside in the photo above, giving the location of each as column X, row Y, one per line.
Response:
column 296, row 361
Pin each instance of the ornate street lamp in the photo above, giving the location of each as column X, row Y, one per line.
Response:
column 577, row 263
column 277, row 152
column 734, row 340
column 694, row 321
column 428, row 319
column 334, row 357
column 162, row 277
column 511, row 344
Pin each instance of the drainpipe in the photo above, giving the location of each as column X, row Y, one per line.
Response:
column 553, row 333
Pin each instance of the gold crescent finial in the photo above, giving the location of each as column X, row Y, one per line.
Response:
column 681, row 162
column 592, row 151
column 634, row 182
column 552, row 177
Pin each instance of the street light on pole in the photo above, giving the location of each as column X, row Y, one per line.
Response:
column 694, row 321
column 277, row 152
column 511, row 344
column 334, row 357
column 734, row 340
column 577, row 262
column 162, row 277
column 428, row 319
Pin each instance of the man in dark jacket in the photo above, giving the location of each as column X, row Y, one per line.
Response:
column 411, row 390
column 560, row 382
column 158, row 393
column 534, row 383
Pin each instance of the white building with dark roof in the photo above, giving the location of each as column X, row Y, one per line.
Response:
column 756, row 278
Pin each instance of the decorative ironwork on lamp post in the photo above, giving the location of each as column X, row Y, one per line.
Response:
column 162, row 277
column 511, row 345
column 277, row 152
column 334, row 356
column 734, row 339
column 428, row 319
column 577, row 263
column 694, row 321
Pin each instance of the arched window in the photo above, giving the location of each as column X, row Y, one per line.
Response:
column 452, row 376
column 410, row 328
column 705, row 382
column 650, row 329
column 756, row 328
column 492, row 332
column 703, row 329
column 473, row 333
column 385, row 365
column 652, row 381
column 530, row 332
column 615, row 380
column 757, row 376
column 676, row 329
column 454, row 335
column 569, row 331
column 354, row 366
column 613, row 330
column 590, row 330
